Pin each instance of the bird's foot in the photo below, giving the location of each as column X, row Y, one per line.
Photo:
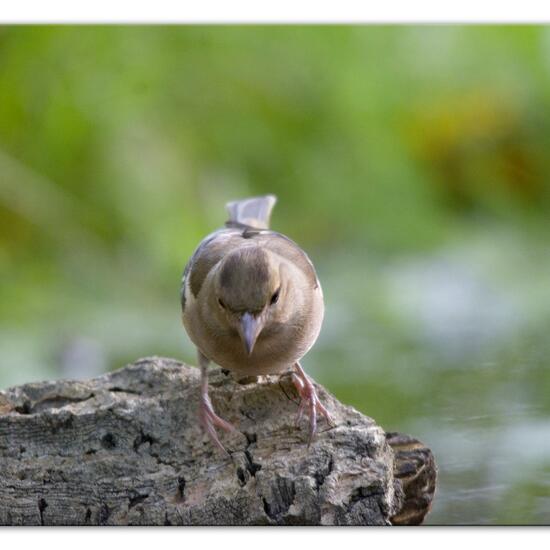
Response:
column 209, row 420
column 310, row 401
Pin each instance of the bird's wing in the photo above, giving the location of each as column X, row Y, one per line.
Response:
column 209, row 252
column 253, row 212
column 288, row 249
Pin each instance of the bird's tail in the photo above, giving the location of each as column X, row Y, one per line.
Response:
column 252, row 212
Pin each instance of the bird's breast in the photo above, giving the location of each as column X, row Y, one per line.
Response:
column 272, row 353
column 277, row 347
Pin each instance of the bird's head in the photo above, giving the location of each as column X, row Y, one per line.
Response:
column 251, row 291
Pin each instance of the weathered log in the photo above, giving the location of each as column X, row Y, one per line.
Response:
column 125, row 449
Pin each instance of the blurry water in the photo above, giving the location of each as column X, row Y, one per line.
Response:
column 453, row 348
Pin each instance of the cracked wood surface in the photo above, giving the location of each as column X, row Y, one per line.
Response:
column 125, row 449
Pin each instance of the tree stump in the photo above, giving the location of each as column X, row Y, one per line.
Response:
column 125, row 448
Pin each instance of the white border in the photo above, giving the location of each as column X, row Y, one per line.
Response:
column 318, row 538
column 281, row 11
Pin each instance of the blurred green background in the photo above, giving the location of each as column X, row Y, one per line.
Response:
column 411, row 162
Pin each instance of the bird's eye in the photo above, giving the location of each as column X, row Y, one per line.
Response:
column 220, row 301
column 275, row 297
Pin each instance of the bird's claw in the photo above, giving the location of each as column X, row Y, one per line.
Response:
column 309, row 400
column 209, row 420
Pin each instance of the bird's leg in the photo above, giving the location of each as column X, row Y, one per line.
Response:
column 208, row 418
column 309, row 399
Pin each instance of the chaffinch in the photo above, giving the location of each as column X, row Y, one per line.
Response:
column 252, row 303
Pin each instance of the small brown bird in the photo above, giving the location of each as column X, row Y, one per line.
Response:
column 252, row 303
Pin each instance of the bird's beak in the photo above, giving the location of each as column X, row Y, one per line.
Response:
column 250, row 328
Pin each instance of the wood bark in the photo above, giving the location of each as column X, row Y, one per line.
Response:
column 126, row 449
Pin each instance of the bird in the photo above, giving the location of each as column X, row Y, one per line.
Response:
column 252, row 304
